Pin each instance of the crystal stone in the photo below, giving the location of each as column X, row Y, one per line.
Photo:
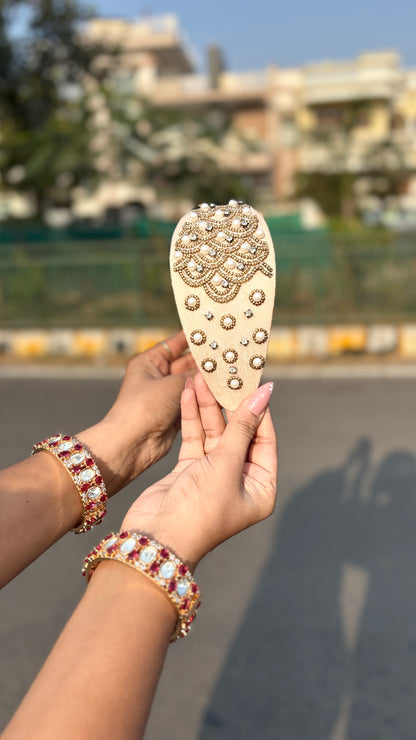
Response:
column 94, row 493
column 199, row 268
column 78, row 458
column 225, row 283
column 213, row 344
column 64, row 446
column 229, row 238
column 244, row 341
column 209, row 315
column 110, row 543
column 128, row 545
column 87, row 475
column 167, row 570
column 148, row 555
column 240, row 266
column 55, row 439
column 182, row 587
column 232, row 370
column 248, row 313
column 212, row 252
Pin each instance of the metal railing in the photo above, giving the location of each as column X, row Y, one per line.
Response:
column 126, row 282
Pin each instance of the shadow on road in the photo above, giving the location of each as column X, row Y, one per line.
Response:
column 327, row 647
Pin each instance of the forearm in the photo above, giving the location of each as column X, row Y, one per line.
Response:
column 39, row 503
column 99, row 680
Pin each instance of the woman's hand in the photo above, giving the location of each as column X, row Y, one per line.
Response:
column 142, row 424
column 225, row 479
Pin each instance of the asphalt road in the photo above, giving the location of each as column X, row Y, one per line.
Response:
column 307, row 629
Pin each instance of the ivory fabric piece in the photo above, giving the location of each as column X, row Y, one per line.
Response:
column 222, row 267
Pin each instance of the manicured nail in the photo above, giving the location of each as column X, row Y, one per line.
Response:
column 259, row 400
column 189, row 383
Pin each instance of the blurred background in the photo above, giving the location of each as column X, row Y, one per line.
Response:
column 112, row 126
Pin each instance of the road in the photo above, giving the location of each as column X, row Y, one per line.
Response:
column 307, row 628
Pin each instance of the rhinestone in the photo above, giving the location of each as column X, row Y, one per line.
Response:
column 248, row 313
column 244, row 222
column 186, row 239
column 225, row 283
column 182, row 587
column 209, row 227
column 204, row 206
column 244, row 341
column 259, row 233
column 110, row 543
column 149, row 554
column 229, row 238
column 94, row 493
column 55, row 439
column 193, row 215
column 193, row 237
column 212, row 205
column 212, row 252
column 199, row 268
column 232, row 202
column 232, row 370
column 128, row 545
column 227, row 212
column 192, row 265
column 167, row 570
column 245, row 247
column 78, row 458
column 221, row 236
column 213, row 344
column 235, row 223
column 87, row 475
column 64, row 446
column 178, row 253
column 202, row 225
column 204, row 248
column 219, row 213
column 240, row 202
column 209, row 315
column 216, row 279
column 240, row 266
column 253, row 250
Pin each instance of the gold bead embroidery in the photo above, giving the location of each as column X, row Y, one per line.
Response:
column 198, row 337
column 227, row 321
column 260, row 336
column 257, row 297
column 257, row 362
column 233, row 249
column 230, row 355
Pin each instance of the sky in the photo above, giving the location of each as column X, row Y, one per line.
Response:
column 258, row 33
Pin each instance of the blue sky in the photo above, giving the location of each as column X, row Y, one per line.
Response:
column 261, row 32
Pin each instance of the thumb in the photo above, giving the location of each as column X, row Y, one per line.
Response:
column 244, row 422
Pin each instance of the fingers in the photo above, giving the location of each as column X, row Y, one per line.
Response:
column 192, row 432
column 262, row 451
column 244, row 424
column 183, row 364
column 213, row 422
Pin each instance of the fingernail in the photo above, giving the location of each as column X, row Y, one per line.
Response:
column 189, row 383
column 260, row 398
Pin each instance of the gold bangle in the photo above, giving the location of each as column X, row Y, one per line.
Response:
column 156, row 562
column 88, row 480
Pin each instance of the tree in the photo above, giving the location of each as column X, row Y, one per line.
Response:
column 46, row 120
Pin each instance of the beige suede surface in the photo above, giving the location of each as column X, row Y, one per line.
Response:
column 247, row 376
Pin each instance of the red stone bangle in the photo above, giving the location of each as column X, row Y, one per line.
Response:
column 85, row 474
column 157, row 563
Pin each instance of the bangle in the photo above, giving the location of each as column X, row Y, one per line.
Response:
column 157, row 563
column 84, row 473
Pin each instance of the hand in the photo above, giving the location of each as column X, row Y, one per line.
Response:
column 142, row 424
column 225, row 479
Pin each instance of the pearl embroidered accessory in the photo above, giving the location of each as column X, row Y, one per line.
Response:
column 156, row 562
column 85, row 474
column 223, row 276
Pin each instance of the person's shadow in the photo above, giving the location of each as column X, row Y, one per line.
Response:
column 327, row 647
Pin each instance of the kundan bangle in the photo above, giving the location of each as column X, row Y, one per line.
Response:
column 85, row 474
column 157, row 563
